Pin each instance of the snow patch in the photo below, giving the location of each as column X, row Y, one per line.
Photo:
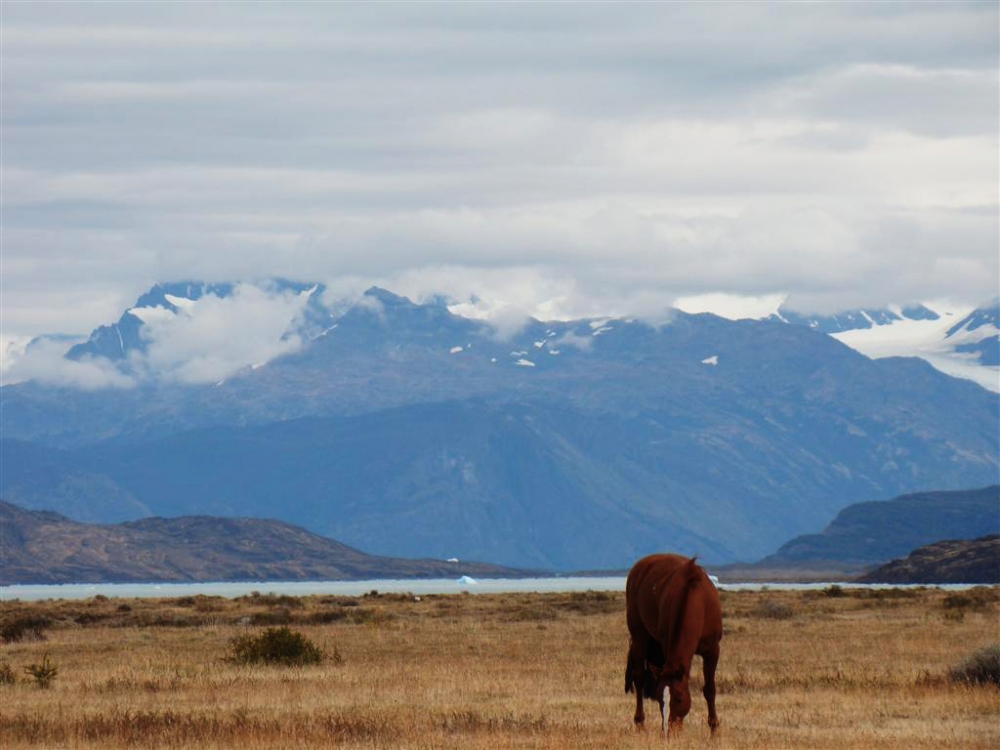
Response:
column 151, row 314
column 181, row 303
column 928, row 340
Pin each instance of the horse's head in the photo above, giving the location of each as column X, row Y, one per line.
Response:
column 675, row 681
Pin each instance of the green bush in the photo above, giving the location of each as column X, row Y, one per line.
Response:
column 274, row 646
column 982, row 668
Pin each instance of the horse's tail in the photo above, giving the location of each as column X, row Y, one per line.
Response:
column 690, row 574
column 629, row 669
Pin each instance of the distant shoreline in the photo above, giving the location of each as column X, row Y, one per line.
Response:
column 416, row 586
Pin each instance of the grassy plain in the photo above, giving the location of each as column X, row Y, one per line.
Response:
column 798, row 670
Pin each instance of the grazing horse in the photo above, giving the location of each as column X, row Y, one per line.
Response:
column 673, row 613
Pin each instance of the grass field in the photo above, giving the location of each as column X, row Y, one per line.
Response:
column 856, row 669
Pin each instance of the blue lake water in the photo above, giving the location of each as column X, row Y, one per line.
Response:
column 355, row 588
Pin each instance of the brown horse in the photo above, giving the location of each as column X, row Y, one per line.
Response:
column 673, row 613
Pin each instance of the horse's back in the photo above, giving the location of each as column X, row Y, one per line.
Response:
column 642, row 601
column 640, row 587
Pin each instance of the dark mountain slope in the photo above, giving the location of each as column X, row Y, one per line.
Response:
column 874, row 532
column 955, row 561
column 44, row 547
column 521, row 483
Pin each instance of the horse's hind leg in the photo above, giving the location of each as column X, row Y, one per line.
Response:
column 710, row 660
column 637, row 662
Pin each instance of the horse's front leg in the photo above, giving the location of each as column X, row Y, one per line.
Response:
column 710, row 661
column 637, row 657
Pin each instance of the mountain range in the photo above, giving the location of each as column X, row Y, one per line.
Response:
column 407, row 430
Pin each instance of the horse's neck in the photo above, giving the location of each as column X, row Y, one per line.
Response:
column 681, row 622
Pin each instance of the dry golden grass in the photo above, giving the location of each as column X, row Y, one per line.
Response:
column 798, row 670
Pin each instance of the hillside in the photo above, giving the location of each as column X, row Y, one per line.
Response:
column 44, row 547
column 955, row 561
column 875, row 532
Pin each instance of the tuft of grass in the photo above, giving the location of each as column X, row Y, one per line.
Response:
column 43, row 673
column 281, row 646
column 981, row 668
column 6, row 674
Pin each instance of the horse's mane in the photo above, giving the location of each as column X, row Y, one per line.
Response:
column 688, row 575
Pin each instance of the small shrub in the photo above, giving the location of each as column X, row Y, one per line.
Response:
column 374, row 616
column 6, row 674
column 89, row 618
column 280, row 616
column 43, row 673
column 271, row 599
column 24, row 628
column 592, row 603
column 835, row 591
column 274, row 646
column 977, row 599
column 772, row 610
column 954, row 615
column 981, row 668
column 326, row 616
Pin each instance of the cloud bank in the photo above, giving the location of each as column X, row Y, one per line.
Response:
column 205, row 340
column 551, row 160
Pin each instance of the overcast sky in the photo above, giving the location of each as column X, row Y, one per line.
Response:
column 559, row 159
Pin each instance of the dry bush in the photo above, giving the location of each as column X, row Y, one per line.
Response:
column 769, row 609
column 25, row 628
column 274, row 646
column 981, row 668
column 978, row 599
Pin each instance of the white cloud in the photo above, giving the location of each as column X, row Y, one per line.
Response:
column 732, row 306
column 556, row 161
column 213, row 337
column 44, row 362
